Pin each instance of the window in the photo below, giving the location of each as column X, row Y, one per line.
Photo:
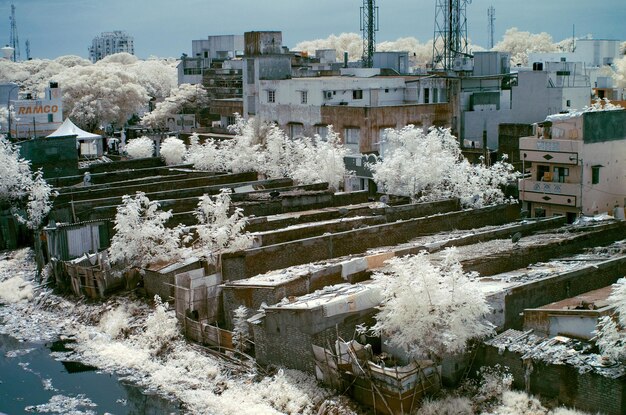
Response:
column 322, row 131
column 271, row 95
column 303, row 97
column 595, row 174
column 357, row 94
column 50, row 118
column 295, row 130
column 568, row 103
column 352, row 135
column 426, row 95
column 560, row 173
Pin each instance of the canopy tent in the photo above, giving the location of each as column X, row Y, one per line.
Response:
column 89, row 145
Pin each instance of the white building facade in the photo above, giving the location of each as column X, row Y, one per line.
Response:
column 109, row 43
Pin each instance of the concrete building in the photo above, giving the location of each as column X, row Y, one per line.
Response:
column 359, row 103
column 109, row 43
column 37, row 117
column 576, row 163
column 205, row 53
column 493, row 95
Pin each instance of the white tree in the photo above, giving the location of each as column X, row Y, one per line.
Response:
column 142, row 147
column 141, row 237
column 182, row 96
column 20, row 189
column 219, row 230
column 173, row 150
column 429, row 309
column 611, row 331
column 620, row 72
column 519, row 44
column 431, row 166
column 101, row 94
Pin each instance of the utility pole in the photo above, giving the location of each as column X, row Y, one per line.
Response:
column 14, row 41
column 369, row 27
column 491, row 15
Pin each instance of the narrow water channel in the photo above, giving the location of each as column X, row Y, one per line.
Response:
column 33, row 381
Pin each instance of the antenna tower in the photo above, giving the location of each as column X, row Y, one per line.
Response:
column 14, row 41
column 491, row 15
column 369, row 27
column 27, row 43
column 450, row 38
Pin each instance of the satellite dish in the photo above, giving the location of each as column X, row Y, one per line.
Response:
column 475, row 199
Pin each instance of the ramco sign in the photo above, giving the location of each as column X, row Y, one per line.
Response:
column 37, row 109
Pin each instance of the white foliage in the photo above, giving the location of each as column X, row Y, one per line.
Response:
column 420, row 54
column 101, row 94
column 110, row 91
column 141, row 237
column 430, row 166
column 519, row 44
column 241, row 332
column 430, row 309
column 205, row 156
column 219, row 230
column 22, row 190
column 450, row 405
column 611, row 330
column 173, row 150
column 142, row 147
column 179, row 97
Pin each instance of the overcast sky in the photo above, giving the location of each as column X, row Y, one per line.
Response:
column 165, row 28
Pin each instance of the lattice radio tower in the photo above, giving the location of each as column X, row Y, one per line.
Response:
column 450, row 38
column 14, row 41
column 491, row 15
column 369, row 27
column 27, row 44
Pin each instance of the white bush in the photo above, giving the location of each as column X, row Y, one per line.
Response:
column 142, row 147
column 173, row 151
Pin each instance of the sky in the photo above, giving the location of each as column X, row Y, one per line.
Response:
column 165, row 28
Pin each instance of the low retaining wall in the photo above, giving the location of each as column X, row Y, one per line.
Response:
column 245, row 264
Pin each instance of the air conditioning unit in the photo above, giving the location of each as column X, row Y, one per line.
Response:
column 328, row 94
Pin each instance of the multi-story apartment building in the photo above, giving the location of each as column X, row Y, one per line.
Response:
column 206, row 54
column 109, row 43
column 577, row 165
column 359, row 103
column 494, row 95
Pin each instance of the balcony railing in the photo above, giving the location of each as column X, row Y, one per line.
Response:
column 557, row 193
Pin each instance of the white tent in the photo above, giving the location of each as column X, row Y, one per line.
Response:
column 90, row 145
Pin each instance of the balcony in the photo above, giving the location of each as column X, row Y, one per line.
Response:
column 534, row 149
column 555, row 193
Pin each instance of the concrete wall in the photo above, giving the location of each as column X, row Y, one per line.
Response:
column 548, row 290
column 564, row 385
column 252, row 296
column 284, row 338
column 372, row 120
column 162, row 283
column 520, row 257
column 245, row 264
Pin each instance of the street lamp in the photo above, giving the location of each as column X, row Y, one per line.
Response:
column 9, row 109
